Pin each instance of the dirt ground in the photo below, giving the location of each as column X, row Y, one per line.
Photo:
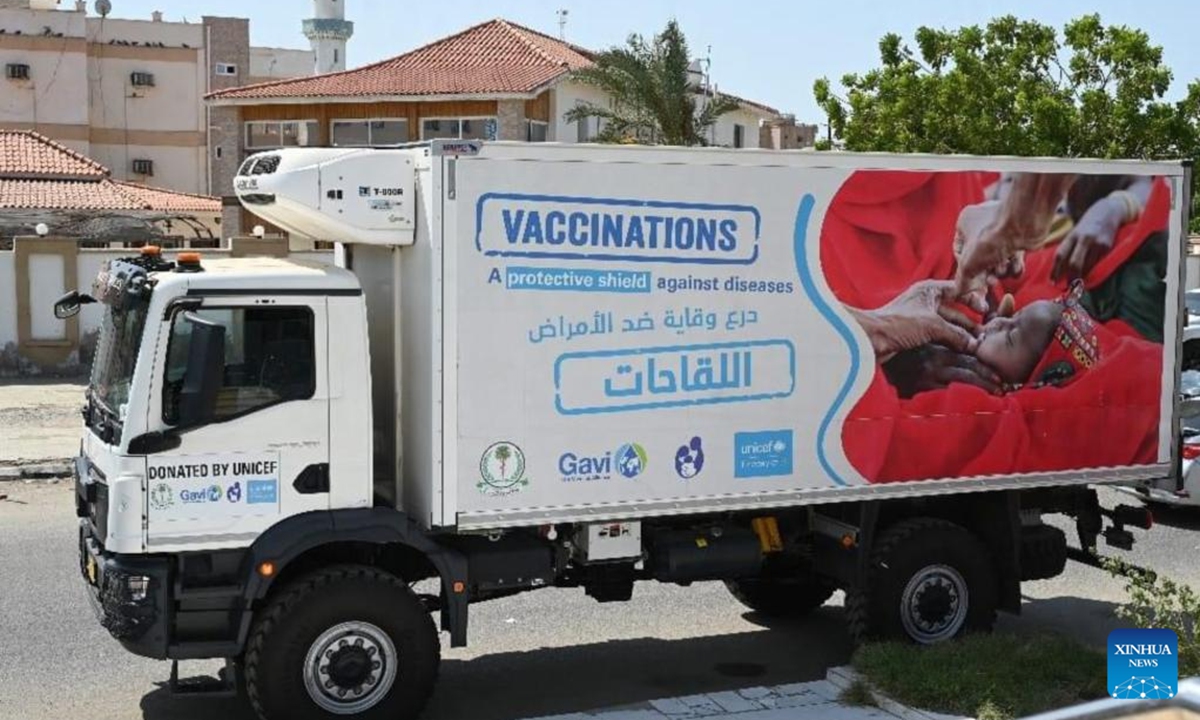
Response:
column 39, row 420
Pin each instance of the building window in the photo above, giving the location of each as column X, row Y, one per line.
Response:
column 267, row 134
column 481, row 128
column 16, row 71
column 143, row 166
column 226, row 69
column 739, row 136
column 536, row 130
column 335, row 56
column 366, row 133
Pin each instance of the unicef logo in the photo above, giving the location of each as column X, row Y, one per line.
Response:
column 689, row 459
column 779, row 446
column 631, row 460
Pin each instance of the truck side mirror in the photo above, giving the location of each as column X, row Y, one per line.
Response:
column 68, row 305
column 205, row 371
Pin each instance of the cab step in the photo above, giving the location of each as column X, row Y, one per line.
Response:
column 224, row 685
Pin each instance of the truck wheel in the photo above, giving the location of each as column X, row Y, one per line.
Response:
column 774, row 597
column 927, row 580
column 1043, row 552
column 343, row 641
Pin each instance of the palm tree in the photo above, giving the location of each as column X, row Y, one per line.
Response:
column 503, row 454
column 653, row 100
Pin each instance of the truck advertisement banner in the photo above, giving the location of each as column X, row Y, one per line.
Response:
column 678, row 332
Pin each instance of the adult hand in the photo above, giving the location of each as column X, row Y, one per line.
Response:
column 934, row 367
column 1005, row 307
column 984, row 255
column 1091, row 239
column 917, row 316
column 1019, row 220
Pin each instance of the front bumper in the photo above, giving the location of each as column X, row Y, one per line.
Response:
column 139, row 622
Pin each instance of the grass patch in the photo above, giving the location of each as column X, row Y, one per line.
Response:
column 857, row 693
column 990, row 677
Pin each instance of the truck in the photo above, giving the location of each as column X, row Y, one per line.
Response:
column 586, row 366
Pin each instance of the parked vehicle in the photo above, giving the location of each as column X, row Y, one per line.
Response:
column 589, row 366
column 1191, row 331
column 1183, row 488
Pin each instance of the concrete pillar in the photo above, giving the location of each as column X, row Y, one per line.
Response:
column 228, row 42
column 510, row 117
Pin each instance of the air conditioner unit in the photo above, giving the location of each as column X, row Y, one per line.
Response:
column 142, row 79
column 16, row 71
column 143, row 167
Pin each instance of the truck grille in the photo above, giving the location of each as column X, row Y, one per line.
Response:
column 91, row 497
column 98, row 512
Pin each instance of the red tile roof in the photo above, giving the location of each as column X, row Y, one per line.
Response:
column 497, row 57
column 752, row 103
column 27, row 154
column 152, row 198
column 64, row 195
column 38, row 173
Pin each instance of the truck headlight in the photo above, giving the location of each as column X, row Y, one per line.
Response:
column 138, row 586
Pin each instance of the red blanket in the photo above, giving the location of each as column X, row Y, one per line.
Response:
column 887, row 230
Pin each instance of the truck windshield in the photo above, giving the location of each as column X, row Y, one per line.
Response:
column 116, row 355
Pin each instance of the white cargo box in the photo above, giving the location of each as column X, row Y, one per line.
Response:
column 598, row 333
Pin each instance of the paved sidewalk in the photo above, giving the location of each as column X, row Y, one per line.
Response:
column 39, row 423
column 817, row 699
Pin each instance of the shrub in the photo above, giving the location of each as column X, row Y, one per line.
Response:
column 1156, row 602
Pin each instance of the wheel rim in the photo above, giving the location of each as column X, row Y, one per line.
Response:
column 934, row 604
column 350, row 667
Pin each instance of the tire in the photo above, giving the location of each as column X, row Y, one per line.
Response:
column 337, row 610
column 929, row 562
column 776, row 598
column 1043, row 552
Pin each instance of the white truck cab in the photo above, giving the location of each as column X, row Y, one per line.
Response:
column 277, row 340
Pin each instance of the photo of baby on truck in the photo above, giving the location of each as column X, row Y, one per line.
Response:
column 1053, row 286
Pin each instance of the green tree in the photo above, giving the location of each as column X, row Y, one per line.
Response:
column 1018, row 88
column 653, row 99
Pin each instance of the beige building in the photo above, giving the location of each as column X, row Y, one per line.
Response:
column 784, row 133
column 128, row 93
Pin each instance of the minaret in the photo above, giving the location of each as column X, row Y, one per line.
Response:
column 328, row 32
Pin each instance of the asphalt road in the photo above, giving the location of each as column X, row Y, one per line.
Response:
column 545, row 652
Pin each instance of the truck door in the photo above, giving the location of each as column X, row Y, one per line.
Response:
column 261, row 451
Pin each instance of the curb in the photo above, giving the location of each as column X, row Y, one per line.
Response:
column 816, row 698
column 35, row 469
column 843, row 676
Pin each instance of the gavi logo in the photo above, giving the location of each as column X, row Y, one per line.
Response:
column 628, row 461
column 1143, row 664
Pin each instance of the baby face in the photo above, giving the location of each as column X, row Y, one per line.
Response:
column 1013, row 345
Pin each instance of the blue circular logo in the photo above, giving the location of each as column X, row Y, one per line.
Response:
column 689, row 459
column 630, row 460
